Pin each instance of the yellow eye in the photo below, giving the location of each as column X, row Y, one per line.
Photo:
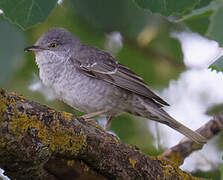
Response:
column 53, row 45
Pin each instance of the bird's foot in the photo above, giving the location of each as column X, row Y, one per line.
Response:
column 110, row 118
column 88, row 118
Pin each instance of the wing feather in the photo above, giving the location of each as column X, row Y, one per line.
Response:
column 100, row 64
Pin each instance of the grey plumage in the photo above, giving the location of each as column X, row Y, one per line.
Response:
column 91, row 80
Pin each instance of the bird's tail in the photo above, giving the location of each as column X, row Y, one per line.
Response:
column 185, row 131
column 154, row 112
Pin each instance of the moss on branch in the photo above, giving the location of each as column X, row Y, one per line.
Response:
column 44, row 143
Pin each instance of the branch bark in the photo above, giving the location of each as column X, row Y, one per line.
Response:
column 37, row 142
column 185, row 147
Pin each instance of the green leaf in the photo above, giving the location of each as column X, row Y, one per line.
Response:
column 215, row 32
column 170, row 7
column 217, row 65
column 11, row 50
column 26, row 13
column 216, row 109
column 199, row 24
column 221, row 170
column 198, row 20
column 203, row 3
column 216, row 25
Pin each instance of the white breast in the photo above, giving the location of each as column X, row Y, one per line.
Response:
column 80, row 91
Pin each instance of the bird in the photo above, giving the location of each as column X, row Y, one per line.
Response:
column 93, row 81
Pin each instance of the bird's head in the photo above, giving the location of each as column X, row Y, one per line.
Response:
column 57, row 44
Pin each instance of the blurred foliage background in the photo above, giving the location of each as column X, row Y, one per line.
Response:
column 147, row 48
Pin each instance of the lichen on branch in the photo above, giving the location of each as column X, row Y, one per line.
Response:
column 45, row 143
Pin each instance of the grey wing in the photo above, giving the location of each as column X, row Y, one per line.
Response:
column 101, row 65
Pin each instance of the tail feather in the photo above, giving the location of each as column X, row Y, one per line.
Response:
column 149, row 109
column 186, row 131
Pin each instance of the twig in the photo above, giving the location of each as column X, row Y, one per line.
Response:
column 185, row 147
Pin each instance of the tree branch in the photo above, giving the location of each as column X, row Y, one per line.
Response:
column 37, row 142
column 185, row 147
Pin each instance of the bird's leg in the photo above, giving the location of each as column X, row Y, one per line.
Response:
column 88, row 117
column 91, row 115
column 109, row 122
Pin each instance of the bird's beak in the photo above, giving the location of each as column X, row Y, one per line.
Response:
column 34, row 48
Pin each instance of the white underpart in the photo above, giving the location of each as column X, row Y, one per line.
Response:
column 190, row 96
column 62, row 57
column 1, row 11
column 38, row 86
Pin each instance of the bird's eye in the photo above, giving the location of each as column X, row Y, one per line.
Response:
column 53, row 45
